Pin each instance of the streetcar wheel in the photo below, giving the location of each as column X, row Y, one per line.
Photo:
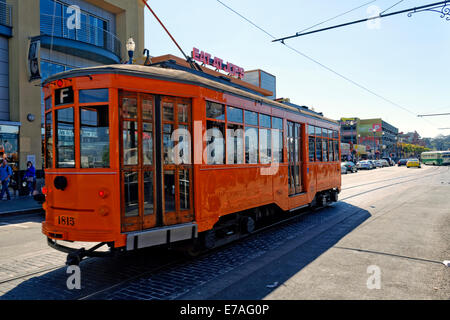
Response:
column 73, row 260
column 209, row 239
column 192, row 251
column 334, row 196
column 248, row 225
column 323, row 200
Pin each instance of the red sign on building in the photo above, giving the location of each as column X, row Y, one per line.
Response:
column 206, row 58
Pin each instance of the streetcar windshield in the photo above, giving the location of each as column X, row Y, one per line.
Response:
column 94, row 137
column 89, row 120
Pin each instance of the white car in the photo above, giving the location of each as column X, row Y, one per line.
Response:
column 364, row 164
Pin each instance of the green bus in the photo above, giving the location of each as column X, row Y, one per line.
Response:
column 436, row 158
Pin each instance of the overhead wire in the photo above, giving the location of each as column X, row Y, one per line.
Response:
column 324, row 66
column 338, row 16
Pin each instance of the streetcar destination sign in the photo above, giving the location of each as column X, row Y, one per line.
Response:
column 207, row 59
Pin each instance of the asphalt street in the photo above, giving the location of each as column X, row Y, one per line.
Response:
column 385, row 239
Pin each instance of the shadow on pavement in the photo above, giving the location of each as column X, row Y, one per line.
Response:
column 273, row 255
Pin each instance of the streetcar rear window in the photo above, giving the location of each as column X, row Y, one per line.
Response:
column 93, row 95
column 94, row 137
column 65, row 143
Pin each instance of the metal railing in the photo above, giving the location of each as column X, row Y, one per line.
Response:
column 58, row 27
column 5, row 14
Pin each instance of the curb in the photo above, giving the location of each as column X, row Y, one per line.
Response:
column 23, row 211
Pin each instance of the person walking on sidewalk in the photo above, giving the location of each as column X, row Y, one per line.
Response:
column 5, row 175
column 30, row 177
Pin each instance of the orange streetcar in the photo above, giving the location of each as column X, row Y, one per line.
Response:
column 140, row 156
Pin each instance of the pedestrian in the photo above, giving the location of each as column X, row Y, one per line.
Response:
column 30, row 177
column 5, row 175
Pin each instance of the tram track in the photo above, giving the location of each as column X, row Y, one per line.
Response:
column 385, row 180
column 390, row 185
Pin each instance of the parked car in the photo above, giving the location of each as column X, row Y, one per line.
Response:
column 384, row 163
column 364, row 164
column 343, row 168
column 377, row 163
column 402, row 162
column 389, row 161
column 372, row 163
column 351, row 167
column 413, row 163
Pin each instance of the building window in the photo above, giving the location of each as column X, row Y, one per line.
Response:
column 54, row 19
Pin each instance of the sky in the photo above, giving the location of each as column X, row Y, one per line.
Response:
column 403, row 61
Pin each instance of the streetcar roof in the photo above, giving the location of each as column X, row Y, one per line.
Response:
column 178, row 76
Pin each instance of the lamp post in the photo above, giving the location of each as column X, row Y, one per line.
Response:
column 374, row 130
column 131, row 46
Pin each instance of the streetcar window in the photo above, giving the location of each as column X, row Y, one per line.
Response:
column 148, row 192
column 147, row 108
column 183, row 109
column 130, row 143
column 168, row 111
column 235, row 144
column 277, row 138
column 265, row 145
column 168, row 144
column 215, row 145
column 169, row 191
column 65, row 142
column 335, row 134
column 318, row 131
column 330, row 133
column 318, row 149
column 330, row 151
column 311, row 130
column 234, row 114
column 147, row 142
column 325, row 149
column 48, row 141
column 251, row 118
column 336, row 150
column 94, row 137
column 184, row 189
column 277, row 123
column 312, row 150
column 48, row 103
column 251, row 144
column 215, row 110
column 131, row 193
column 129, row 108
column 93, row 95
column 264, row 121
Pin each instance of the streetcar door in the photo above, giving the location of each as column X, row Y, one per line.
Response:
column 176, row 166
column 294, row 157
column 137, row 159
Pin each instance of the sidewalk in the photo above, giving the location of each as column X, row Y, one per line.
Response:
column 19, row 205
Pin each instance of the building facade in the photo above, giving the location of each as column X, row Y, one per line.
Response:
column 378, row 136
column 39, row 38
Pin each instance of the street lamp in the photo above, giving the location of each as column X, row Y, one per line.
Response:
column 374, row 130
column 131, row 46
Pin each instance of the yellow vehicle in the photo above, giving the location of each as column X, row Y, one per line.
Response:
column 413, row 163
